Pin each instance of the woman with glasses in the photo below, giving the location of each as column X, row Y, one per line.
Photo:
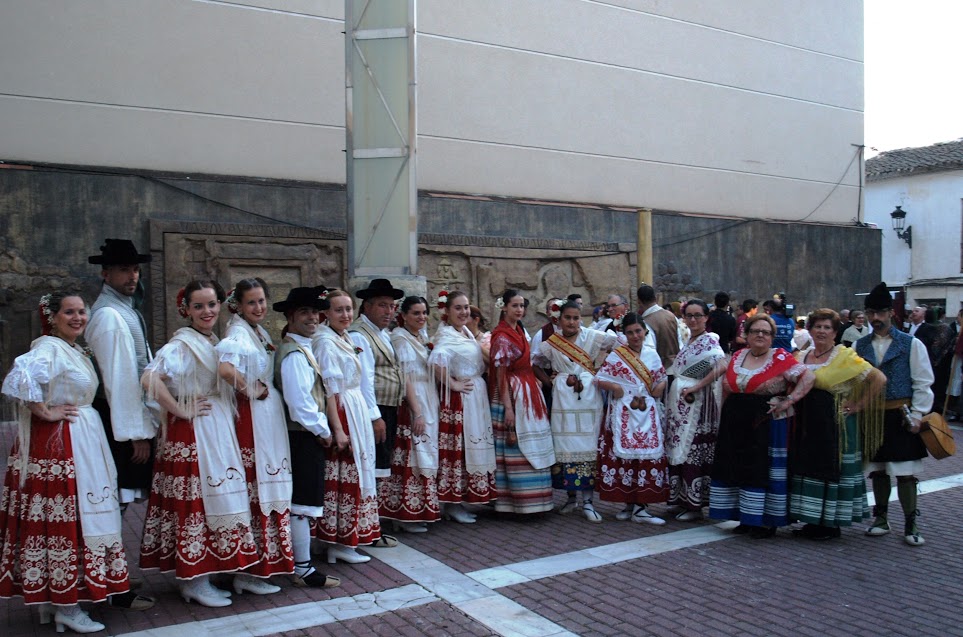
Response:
column 761, row 384
column 692, row 414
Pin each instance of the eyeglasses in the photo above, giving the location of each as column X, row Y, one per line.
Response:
column 611, row 305
column 694, row 316
column 759, row 332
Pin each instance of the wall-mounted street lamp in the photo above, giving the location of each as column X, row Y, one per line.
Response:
column 899, row 220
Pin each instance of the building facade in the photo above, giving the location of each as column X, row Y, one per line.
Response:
column 927, row 184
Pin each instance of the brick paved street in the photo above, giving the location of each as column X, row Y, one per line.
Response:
column 683, row 579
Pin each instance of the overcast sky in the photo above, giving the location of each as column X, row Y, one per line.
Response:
column 914, row 73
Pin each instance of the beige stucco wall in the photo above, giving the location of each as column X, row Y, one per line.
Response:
column 744, row 108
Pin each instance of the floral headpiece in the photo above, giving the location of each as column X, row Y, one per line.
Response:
column 499, row 303
column 45, row 314
column 323, row 296
column 182, row 303
column 555, row 310
column 443, row 305
column 231, row 301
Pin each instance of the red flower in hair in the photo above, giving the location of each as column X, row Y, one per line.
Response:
column 181, row 303
column 442, row 299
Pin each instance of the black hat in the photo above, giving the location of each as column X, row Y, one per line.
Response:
column 879, row 298
column 380, row 287
column 118, row 252
column 301, row 297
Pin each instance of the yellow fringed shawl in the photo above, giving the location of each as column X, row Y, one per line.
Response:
column 845, row 376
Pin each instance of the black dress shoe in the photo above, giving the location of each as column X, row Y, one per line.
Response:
column 762, row 532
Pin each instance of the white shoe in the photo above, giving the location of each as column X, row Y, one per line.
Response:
column 258, row 586
column 204, row 593
column 569, row 507
column 345, row 554
column 626, row 513
column 640, row 516
column 74, row 618
column 458, row 513
column 591, row 514
column 410, row 527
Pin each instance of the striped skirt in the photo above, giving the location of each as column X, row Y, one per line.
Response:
column 753, row 502
column 521, row 488
column 833, row 503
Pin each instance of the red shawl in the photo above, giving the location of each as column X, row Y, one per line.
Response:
column 782, row 361
column 520, row 370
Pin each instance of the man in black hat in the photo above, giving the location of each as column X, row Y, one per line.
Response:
column 903, row 359
column 117, row 336
column 298, row 376
column 382, row 382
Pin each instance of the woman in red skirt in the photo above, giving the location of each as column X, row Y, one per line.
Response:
column 466, row 449
column 350, row 494
column 247, row 363
column 198, row 516
column 58, row 549
column 410, row 495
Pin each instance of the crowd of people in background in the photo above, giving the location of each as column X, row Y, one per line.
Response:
column 254, row 455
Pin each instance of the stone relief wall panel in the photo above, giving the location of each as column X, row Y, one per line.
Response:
column 283, row 260
column 485, row 272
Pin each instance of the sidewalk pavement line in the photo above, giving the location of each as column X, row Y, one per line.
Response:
column 497, row 612
column 285, row 618
column 554, row 565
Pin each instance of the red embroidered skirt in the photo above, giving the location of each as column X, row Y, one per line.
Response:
column 176, row 536
column 629, row 481
column 405, row 495
column 272, row 531
column 43, row 557
column 455, row 484
column 348, row 519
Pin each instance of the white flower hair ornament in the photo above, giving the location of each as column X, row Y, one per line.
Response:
column 45, row 305
column 499, row 303
column 442, row 299
column 231, row 302
column 555, row 310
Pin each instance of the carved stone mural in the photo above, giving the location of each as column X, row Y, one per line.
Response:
column 484, row 272
column 284, row 258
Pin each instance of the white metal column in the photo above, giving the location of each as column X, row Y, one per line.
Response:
column 381, row 130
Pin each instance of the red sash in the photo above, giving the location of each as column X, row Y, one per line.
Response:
column 575, row 353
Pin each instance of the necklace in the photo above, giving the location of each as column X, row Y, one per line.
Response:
column 815, row 355
column 754, row 355
column 207, row 336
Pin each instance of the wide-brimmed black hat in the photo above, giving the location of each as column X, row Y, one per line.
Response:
column 118, row 252
column 301, row 297
column 879, row 298
column 380, row 287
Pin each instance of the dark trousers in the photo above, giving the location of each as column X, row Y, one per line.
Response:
column 383, row 449
column 307, row 469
